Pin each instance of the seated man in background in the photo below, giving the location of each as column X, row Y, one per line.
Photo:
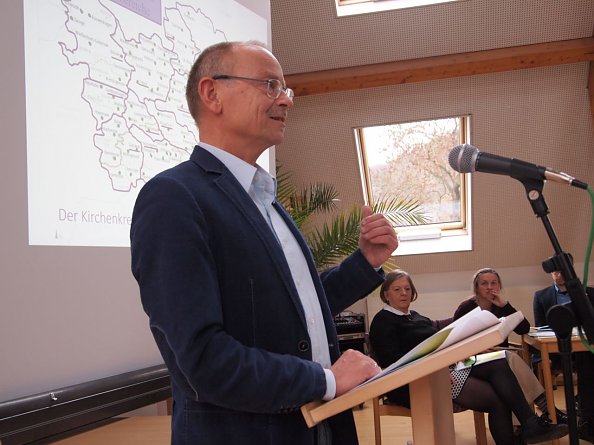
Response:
column 544, row 299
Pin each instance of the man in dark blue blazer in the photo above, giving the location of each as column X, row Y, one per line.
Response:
column 544, row 299
column 239, row 313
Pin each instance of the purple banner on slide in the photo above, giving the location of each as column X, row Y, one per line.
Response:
column 151, row 9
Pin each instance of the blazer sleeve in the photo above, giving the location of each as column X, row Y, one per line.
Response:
column 539, row 308
column 350, row 281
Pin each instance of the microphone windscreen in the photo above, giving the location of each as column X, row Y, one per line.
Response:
column 463, row 157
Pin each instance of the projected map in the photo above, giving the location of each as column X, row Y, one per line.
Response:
column 106, row 107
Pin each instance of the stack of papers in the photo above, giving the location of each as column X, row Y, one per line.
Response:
column 546, row 331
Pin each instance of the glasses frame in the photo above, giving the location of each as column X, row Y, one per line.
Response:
column 272, row 85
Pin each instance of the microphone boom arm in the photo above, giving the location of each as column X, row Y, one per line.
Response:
column 562, row 317
column 584, row 312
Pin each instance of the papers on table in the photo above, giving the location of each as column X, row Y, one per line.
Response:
column 546, row 331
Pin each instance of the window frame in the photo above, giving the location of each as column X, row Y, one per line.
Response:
column 356, row 7
column 433, row 237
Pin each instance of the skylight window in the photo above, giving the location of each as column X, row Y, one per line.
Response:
column 354, row 7
column 411, row 160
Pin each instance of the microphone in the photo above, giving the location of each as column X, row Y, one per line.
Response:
column 466, row 158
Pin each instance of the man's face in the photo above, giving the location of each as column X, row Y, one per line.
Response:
column 558, row 278
column 255, row 120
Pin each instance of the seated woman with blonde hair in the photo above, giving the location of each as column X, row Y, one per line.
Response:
column 490, row 387
column 487, row 287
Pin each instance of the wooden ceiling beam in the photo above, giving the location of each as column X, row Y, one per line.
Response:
column 443, row 67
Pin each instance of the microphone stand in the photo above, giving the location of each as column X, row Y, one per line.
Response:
column 562, row 318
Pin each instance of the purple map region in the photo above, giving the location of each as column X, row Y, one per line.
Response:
column 151, row 9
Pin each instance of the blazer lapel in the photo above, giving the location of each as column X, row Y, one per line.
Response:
column 236, row 194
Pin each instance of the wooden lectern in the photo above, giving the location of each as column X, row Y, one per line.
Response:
column 430, row 389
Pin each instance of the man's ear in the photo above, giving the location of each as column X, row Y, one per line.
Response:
column 209, row 95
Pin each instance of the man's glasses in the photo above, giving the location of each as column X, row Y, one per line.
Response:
column 274, row 86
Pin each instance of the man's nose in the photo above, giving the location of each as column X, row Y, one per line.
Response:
column 284, row 100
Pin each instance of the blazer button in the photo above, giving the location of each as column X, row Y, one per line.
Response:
column 303, row 346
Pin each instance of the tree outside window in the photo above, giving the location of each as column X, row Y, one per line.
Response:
column 411, row 159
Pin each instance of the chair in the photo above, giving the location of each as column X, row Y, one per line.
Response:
column 385, row 409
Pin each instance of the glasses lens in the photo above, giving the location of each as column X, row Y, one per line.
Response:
column 274, row 88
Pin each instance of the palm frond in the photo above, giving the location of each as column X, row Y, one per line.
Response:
column 317, row 198
column 284, row 186
column 339, row 237
column 401, row 211
column 336, row 239
column 309, row 200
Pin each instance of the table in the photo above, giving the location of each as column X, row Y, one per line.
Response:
column 547, row 346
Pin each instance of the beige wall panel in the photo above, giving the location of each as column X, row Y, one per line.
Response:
column 539, row 115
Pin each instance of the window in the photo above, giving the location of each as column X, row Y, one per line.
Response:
column 354, row 7
column 410, row 160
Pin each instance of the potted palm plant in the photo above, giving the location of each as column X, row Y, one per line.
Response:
column 338, row 237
